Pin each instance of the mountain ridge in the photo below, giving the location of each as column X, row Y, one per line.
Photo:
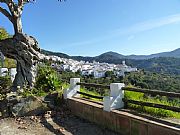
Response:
column 175, row 53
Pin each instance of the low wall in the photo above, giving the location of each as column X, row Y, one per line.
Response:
column 122, row 122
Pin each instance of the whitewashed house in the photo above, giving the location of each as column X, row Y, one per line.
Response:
column 65, row 67
column 99, row 73
column 87, row 72
column 119, row 73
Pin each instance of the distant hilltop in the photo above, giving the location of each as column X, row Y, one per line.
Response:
column 115, row 55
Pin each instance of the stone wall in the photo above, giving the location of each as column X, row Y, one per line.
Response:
column 122, row 122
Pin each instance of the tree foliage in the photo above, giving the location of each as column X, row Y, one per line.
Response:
column 3, row 34
column 47, row 79
column 151, row 80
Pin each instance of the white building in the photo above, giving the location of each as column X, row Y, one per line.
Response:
column 86, row 72
column 99, row 74
column 96, row 69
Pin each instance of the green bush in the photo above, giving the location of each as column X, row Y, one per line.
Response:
column 5, row 83
column 33, row 92
column 47, row 79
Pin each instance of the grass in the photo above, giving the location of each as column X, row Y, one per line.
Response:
column 66, row 86
column 158, row 112
column 91, row 93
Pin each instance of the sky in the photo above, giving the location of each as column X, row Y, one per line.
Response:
column 92, row 27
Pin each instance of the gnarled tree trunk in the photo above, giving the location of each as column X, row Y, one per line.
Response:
column 24, row 49
column 17, row 23
column 21, row 47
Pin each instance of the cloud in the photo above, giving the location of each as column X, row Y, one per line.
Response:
column 149, row 25
column 130, row 31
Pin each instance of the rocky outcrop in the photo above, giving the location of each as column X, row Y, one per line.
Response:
column 15, row 105
column 29, row 106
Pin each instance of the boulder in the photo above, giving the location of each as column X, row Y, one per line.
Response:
column 50, row 100
column 29, row 106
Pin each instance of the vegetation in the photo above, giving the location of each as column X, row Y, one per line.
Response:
column 94, row 93
column 150, row 110
column 5, row 84
column 151, row 80
column 9, row 63
column 47, row 79
column 161, row 65
column 3, row 34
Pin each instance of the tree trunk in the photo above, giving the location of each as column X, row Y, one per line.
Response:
column 24, row 49
column 17, row 23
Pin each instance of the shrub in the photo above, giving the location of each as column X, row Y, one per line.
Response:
column 5, row 84
column 47, row 79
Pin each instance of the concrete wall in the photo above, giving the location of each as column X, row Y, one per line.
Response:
column 122, row 122
column 5, row 71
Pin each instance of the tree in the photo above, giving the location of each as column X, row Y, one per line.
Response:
column 3, row 34
column 109, row 73
column 21, row 47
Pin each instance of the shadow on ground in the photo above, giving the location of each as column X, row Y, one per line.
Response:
column 71, row 125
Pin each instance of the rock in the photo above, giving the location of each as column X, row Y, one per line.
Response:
column 12, row 98
column 50, row 100
column 29, row 106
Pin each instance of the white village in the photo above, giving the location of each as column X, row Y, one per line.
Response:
column 95, row 69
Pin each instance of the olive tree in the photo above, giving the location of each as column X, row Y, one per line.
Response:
column 21, row 47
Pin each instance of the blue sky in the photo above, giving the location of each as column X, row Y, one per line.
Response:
column 92, row 27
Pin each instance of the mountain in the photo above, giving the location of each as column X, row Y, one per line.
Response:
column 114, row 55
column 175, row 54
column 166, row 62
column 62, row 55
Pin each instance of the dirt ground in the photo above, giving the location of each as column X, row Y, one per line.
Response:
column 50, row 125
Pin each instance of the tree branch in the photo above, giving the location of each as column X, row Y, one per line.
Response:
column 13, row 8
column 6, row 13
column 20, row 3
